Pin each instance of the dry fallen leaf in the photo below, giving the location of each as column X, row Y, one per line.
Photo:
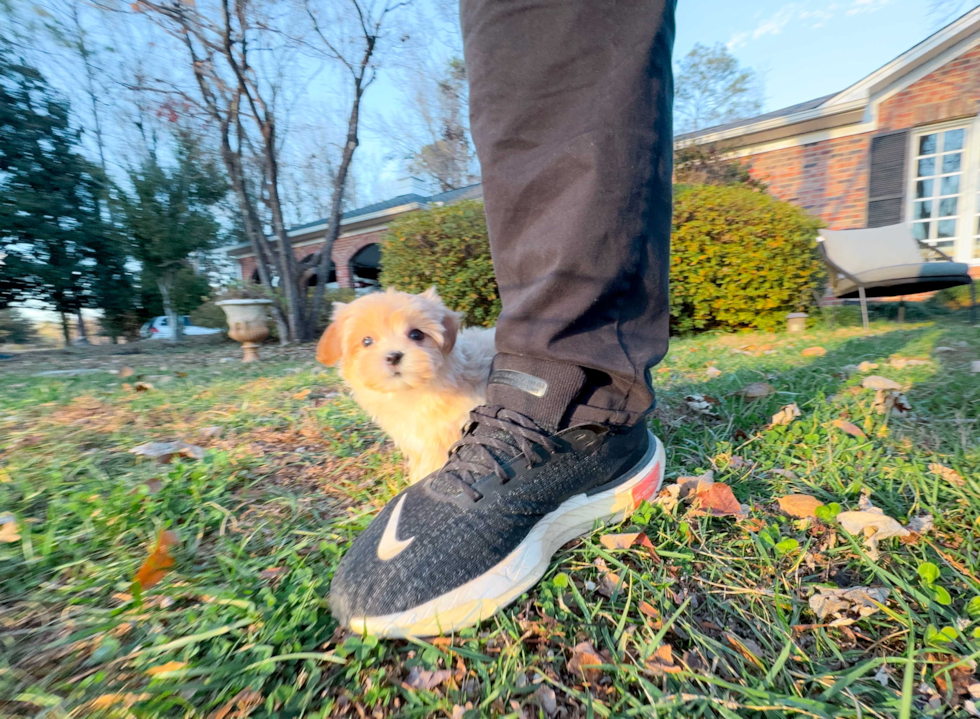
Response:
column 713, row 372
column 585, row 661
column 903, row 362
column 619, row 541
column 243, row 703
column 850, row 428
column 921, row 524
column 700, row 403
column 878, row 382
column 748, row 648
column 117, row 701
column 142, row 386
column 950, row 475
column 662, row 661
column 718, row 500
column 873, row 525
column 867, row 366
column 799, row 506
column 8, row 531
column 302, row 394
column 210, row 432
column 814, row 352
column 166, row 667
column 891, row 400
column 271, row 573
column 689, row 486
column 166, row 451
column 544, row 695
column 126, row 372
column 786, row 415
column 609, row 581
column 159, row 562
column 847, row 605
column 426, row 679
column 756, row 390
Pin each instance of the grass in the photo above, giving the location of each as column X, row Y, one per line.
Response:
column 293, row 471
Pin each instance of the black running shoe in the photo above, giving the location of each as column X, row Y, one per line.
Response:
column 469, row 539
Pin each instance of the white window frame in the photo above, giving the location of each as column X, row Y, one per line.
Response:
column 968, row 206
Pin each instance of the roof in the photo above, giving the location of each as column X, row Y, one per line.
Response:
column 784, row 112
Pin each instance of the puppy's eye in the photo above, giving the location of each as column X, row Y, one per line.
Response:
column 416, row 336
column 367, row 341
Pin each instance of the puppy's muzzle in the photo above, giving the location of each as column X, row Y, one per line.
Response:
column 394, row 358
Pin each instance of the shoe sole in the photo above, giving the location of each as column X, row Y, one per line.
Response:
column 483, row 596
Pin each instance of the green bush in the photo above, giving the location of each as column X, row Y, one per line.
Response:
column 446, row 247
column 209, row 315
column 16, row 329
column 739, row 259
column 954, row 298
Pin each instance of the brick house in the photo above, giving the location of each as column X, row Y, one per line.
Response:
column 900, row 145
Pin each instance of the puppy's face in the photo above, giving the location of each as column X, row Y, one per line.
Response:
column 390, row 341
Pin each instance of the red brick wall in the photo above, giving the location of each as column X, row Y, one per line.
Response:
column 343, row 252
column 830, row 178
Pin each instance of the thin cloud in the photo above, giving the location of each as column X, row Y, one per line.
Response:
column 814, row 15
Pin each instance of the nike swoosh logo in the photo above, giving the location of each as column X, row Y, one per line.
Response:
column 390, row 546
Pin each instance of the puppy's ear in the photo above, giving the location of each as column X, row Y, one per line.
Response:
column 330, row 348
column 432, row 294
column 451, row 322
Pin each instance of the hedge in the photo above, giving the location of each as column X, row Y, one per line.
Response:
column 739, row 259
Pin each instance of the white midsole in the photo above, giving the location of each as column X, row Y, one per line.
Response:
column 520, row 570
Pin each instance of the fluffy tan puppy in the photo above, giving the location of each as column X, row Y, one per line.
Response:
column 412, row 368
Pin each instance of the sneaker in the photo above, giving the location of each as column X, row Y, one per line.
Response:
column 469, row 539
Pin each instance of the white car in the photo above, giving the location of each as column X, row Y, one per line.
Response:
column 159, row 329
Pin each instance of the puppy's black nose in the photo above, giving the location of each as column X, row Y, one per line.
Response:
column 393, row 358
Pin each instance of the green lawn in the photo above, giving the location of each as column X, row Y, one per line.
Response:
column 240, row 625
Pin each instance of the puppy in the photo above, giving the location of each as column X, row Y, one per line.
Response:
column 412, row 368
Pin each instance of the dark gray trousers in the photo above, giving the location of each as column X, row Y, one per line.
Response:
column 571, row 104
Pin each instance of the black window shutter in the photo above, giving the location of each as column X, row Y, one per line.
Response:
column 886, row 179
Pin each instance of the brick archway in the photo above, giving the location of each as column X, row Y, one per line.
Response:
column 344, row 250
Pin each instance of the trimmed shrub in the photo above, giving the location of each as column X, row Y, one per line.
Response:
column 446, row 247
column 739, row 259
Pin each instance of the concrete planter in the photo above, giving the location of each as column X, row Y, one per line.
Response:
column 247, row 323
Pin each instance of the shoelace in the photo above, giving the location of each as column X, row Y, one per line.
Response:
column 479, row 461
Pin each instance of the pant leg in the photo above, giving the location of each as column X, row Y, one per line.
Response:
column 571, row 104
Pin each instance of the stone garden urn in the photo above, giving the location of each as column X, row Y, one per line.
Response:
column 247, row 323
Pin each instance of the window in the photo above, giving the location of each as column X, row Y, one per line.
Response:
column 939, row 216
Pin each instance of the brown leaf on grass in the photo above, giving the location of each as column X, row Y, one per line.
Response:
column 609, row 582
column 126, row 372
column 887, row 401
column 849, row 427
column 950, row 475
column 166, row 667
column 585, row 661
column 142, row 386
column 718, row 500
column 619, row 541
column 786, row 415
column 846, row 606
column 210, row 432
column 166, row 451
column 690, row 486
column 867, row 366
column 544, row 695
column 713, row 372
column 239, row 707
column 662, row 661
column 748, row 648
column 302, row 394
column 961, row 675
column 649, row 610
column 814, row 352
column 903, row 362
column 755, row 390
column 425, row 679
column 799, row 506
column 8, row 532
column 272, row 573
column 159, row 562
column 878, row 382
column 920, row 524
column 117, row 701
column 874, row 525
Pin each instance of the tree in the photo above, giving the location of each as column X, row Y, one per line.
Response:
column 53, row 232
column 16, row 329
column 711, row 165
column 231, row 48
column 171, row 216
column 712, row 88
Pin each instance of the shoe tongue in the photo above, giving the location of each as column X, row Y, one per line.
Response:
column 442, row 484
column 539, row 389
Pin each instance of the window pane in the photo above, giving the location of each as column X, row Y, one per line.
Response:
column 927, row 167
column 921, row 230
column 947, row 247
column 947, row 207
column 923, row 188
column 922, row 210
column 953, row 140
column 927, row 144
column 163, row 321
column 951, row 163
column 946, row 228
column 950, row 185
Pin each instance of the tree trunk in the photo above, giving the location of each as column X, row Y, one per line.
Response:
column 82, row 332
column 65, row 332
column 165, row 284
